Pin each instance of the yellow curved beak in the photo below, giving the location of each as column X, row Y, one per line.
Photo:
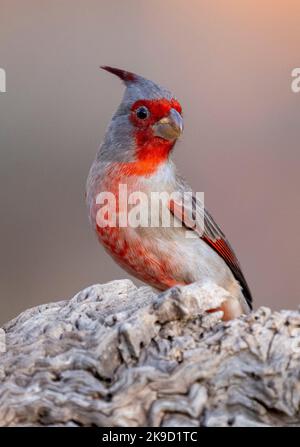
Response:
column 169, row 127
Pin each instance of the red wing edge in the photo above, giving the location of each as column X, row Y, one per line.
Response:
column 216, row 239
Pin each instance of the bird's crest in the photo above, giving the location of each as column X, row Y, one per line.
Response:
column 138, row 87
column 124, row 75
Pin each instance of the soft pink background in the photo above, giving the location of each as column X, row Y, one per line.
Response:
column 229, row 63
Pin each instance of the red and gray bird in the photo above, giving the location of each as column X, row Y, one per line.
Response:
column 136, row 152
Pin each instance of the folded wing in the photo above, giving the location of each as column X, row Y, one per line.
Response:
column 196, row 218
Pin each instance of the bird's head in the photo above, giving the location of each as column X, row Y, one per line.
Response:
column 146, row 124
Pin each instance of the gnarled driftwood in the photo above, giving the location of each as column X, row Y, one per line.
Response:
column 118, row 355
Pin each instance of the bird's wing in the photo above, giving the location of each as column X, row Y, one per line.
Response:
column 195, row 217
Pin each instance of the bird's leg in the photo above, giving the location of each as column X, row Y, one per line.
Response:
column 231, row 309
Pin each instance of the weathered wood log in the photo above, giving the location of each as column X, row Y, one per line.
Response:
column 118, row 355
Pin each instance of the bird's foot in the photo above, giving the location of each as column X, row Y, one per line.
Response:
column 231, row 309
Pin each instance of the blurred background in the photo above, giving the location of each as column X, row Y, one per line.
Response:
column 228, row 62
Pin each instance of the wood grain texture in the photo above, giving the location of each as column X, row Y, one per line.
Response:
column 118, row 355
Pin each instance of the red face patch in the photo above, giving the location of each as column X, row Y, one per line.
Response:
column 150, row 150
column 156, row 109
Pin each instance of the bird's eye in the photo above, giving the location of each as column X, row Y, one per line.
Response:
column 142, row 113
